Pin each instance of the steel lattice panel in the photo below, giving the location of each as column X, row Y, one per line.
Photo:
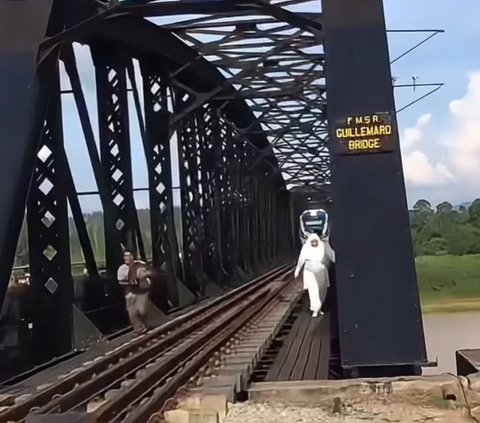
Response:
column 227, row 129
column 277, row 68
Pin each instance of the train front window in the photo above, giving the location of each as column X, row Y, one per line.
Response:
column 314, row 226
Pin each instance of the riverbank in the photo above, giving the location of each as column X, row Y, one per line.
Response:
column 441, row 399
column 444, row 398
column 249, row 412
column 449, row 283
column 451, row 306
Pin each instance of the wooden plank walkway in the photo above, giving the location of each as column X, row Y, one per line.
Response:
column 305, row 352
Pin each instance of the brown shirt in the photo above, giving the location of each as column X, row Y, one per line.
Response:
column 127, row 278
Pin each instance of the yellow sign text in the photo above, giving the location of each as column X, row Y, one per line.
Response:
column 370, row 144
column 365, row 133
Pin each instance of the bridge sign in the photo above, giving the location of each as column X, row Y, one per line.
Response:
column 365, row 134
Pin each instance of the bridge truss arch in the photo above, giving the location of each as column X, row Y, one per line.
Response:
column 229, row 98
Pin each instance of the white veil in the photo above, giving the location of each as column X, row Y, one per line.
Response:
column 311, row 253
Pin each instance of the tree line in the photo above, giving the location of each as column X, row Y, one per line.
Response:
column 440, row 230
column 445, row 229
column 95, row 229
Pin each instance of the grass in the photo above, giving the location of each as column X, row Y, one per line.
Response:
column 449, row 283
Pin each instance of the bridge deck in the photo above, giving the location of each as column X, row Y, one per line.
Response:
column 305, row 352
column 49, row 374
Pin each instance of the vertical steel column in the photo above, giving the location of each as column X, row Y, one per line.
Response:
column 281, row 220
column 218, row 187
column 271, row 193
column 261, row 213
column 51, row 288
column 274, row 213
column 115, row 155
column 188, row 151
column 207, row 194
column 223, row 200
column 23, row 98
column 245, row 246
column 234, row 165
column 192, row 217
column 289, row 217
column 380, row 323
column 256, row 214
column 201, row 182
column 252, row 206
column 229, row 196
column 157, row 152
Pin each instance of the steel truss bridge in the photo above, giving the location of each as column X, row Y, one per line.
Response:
column 230, row 98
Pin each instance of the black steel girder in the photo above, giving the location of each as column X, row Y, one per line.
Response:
column 234, row 195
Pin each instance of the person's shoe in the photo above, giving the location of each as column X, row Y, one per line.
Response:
column 139, row 330
column 315, row 314
column 321, row 313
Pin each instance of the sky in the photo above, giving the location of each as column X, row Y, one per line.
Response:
column 440, row 135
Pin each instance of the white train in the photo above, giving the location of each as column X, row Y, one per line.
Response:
column 313, row 221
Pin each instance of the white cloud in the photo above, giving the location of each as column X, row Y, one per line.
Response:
column 420, row 171
column 418, row 168
column 411, row 136
column 463, row 136
column 459, row 147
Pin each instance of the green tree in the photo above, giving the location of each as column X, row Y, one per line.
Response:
column 463, row 215
column 444, row 207
column 445, row 230
column 474, row 212
column 422, row 211
column 423, row 205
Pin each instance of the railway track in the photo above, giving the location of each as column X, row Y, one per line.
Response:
column 133, row 382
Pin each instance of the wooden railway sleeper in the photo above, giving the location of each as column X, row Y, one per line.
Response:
column 39, row 401
column 142, row 414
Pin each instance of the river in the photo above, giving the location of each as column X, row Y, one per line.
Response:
column 447, row 332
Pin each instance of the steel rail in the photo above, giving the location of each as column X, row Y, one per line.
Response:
column 148, row 392
column 195, row 361
column 94, row 386
column 53, row 395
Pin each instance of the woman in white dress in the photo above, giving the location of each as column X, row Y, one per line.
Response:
column 315, row 257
